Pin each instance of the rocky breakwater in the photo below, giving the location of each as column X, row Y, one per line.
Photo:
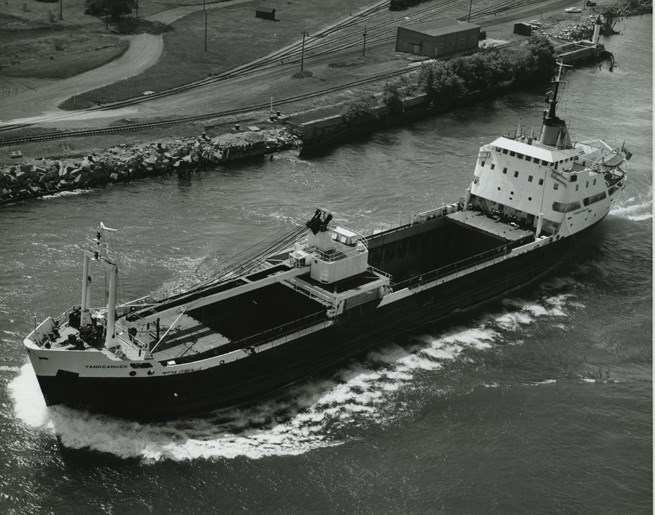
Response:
column 126, row 162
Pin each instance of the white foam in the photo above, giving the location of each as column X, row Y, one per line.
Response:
column 544, row 382
column 557, row 304
column 68, row 193
column 8, row 368
column 513, row 321
column 305, row 418
column 28, row 401
column 635, row 212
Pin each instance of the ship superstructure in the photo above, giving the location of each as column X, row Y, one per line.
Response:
column 303, row 306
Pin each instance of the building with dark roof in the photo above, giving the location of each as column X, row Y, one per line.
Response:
column 438, row 38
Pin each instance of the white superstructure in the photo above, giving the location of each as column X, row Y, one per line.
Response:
column 549, row 183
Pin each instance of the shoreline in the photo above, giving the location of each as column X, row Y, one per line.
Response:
column 124, row 163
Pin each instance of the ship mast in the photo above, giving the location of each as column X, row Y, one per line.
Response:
column 554, row 132
column 95, row 253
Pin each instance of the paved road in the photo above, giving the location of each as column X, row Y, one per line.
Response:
column 41, row 102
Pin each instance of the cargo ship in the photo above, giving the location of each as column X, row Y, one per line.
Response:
column 324, row 293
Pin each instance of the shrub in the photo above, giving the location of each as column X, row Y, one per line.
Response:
column 302, row 74
column 360, row 110
column 391, row 98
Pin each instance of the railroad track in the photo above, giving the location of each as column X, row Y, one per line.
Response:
column 187, row 119
column 376, row 33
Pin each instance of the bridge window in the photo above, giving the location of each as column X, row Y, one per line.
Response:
column 481, row 163
column 504, row 151
column 541, row 182
column 594, row 182
column 561, row 207
column 577, row 187
column 555, row 186
column 545, row 163
column 594, row 198
column 516, row 174
column 529, row 178
column 520, row 156
column 505, row 170
column 493, row 166
column 512, row 154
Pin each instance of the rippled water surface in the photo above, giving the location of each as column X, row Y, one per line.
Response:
column 537, row 402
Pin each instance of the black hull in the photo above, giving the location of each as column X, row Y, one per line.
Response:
column 166, row 397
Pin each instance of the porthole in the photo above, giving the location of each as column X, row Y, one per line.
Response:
column 133, row 373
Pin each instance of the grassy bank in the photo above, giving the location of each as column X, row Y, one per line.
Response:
column 59, row 56
column 436, row 87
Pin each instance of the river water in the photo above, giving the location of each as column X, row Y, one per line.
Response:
column 538, row 402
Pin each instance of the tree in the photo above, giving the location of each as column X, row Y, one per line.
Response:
column 447, row 84
column 360, row 110
column 391, row 98
column 114, row 8
column 542, row 53
column 426, row 81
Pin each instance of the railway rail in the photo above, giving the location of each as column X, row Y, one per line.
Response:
column 317, row 46
column 187, row 119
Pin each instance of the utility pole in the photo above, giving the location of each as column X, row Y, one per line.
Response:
column 470, row 8
column 364, row 49
column 205, row 30
column 61, row 9
column 302, row 51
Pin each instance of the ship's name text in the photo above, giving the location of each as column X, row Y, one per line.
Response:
column 106, row 366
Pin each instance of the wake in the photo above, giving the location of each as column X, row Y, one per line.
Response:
column 308, row 416
column 635, row 212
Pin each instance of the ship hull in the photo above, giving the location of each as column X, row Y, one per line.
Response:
column 166, row 397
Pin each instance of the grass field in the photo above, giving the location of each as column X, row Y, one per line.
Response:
column 59, row 56
column 234, row 37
